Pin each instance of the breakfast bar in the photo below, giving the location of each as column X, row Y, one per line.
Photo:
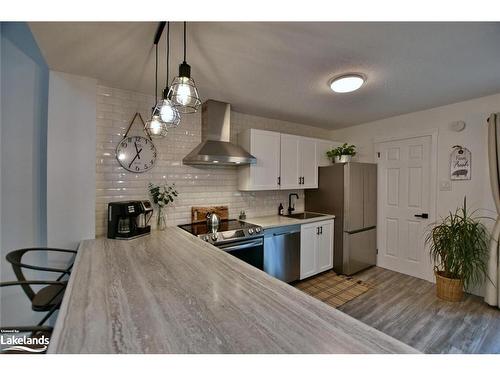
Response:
column 171, row 292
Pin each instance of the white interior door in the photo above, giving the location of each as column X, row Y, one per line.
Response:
column 404, row 185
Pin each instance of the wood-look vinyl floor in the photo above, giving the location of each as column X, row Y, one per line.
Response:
column 407, row 309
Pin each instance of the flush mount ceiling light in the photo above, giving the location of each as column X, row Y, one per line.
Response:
column 347, row 82
column 165, row 108
column 183, row 91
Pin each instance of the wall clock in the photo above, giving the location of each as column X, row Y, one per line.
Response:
column 136, row 153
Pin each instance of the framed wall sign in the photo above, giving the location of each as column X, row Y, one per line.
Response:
column 460, row 163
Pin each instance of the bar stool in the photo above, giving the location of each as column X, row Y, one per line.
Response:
column 39, row 329
column 49, row 297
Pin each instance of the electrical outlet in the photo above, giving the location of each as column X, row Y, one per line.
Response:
column 445, row 185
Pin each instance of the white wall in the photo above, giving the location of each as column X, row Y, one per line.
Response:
column 205, row 186
column 474, row 137
column 71, row 139
column 24, row 90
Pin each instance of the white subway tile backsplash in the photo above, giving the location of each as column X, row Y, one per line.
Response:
column 201, row 186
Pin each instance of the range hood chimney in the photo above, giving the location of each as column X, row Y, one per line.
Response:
column 215, row 147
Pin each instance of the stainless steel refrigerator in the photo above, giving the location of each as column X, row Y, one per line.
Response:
column 349, row 191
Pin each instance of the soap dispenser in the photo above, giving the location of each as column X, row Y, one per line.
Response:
column 281, row 209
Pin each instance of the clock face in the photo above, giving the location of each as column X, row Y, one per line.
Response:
column 136, row 154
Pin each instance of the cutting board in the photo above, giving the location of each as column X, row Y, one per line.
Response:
column 199, row 214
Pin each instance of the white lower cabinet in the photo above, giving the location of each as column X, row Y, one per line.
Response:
column 316, row 248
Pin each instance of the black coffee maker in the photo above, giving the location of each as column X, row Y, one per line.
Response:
column 127, row 220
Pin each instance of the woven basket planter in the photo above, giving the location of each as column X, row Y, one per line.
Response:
column 451, row 290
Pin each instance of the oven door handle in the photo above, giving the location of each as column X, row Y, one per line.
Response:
column 241, row 246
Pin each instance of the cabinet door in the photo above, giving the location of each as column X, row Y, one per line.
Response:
column 290, row 162
column 309, row 163
column 265, row 146
column 325, row 246
column 308, row 250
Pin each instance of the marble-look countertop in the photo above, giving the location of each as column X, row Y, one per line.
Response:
column 274, row 221
column 170, row 292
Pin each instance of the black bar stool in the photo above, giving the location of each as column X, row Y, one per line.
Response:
column 49, row 297
column 39, row 329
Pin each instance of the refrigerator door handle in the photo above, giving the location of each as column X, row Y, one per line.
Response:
column 359, row 230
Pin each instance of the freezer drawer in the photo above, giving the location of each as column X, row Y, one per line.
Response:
column 360, row 250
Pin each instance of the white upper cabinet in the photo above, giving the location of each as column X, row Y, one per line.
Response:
column 291, row 164
column 299, row 166
column 284, row 161
column 265, row 146
column 309, row 163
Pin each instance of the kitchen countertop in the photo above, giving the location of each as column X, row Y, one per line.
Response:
column 274, row 221
column 170, row 292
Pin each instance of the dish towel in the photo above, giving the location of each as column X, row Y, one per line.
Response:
column 492, row 294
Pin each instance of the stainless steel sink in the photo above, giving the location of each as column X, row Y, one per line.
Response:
column 305, row 215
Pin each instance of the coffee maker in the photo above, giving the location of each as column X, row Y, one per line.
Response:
column 127, row 220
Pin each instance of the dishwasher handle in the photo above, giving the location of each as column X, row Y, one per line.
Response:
column 241, row 246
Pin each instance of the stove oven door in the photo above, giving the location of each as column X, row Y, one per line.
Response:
column 250, row 251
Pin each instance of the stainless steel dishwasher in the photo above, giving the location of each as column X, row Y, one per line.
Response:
column 282, row 252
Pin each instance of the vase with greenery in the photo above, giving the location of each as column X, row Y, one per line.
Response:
column 458, row 246
column 162, row 196
column 342, row 154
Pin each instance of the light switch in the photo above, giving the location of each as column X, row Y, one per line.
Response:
column 445, row 185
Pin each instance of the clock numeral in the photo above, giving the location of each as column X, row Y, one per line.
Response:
column 137, row 168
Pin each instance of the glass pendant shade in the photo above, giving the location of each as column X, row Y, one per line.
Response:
column 183, row 91
column 167, row 111
column 155, row 127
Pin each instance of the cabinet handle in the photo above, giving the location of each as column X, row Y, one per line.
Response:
column 320, row 230
column 302, row 180
column 317, row 230
column 279, row 180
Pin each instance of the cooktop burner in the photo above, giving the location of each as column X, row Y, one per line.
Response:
column 228, row 230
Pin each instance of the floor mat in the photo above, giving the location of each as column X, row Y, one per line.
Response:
column 333, row 289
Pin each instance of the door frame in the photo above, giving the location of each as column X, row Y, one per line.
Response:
column 434, row 134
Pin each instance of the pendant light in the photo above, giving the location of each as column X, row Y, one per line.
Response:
column 155, row 127
column 183, row 91
column 165, row 108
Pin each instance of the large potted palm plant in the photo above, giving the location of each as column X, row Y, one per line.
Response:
column 458, row 246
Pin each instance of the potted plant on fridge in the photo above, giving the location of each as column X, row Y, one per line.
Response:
column 458, row 246
column 342, row 154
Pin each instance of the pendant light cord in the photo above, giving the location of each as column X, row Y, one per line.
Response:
column 156, row 75
column 185, row 41
column 168, row 51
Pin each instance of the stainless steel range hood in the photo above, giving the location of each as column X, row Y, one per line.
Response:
column 215, row 148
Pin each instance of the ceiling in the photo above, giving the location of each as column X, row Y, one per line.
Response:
column 281, row 70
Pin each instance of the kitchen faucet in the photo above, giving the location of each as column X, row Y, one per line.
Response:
column 290, row 207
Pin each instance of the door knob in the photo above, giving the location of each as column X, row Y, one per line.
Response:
column 423, row 216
